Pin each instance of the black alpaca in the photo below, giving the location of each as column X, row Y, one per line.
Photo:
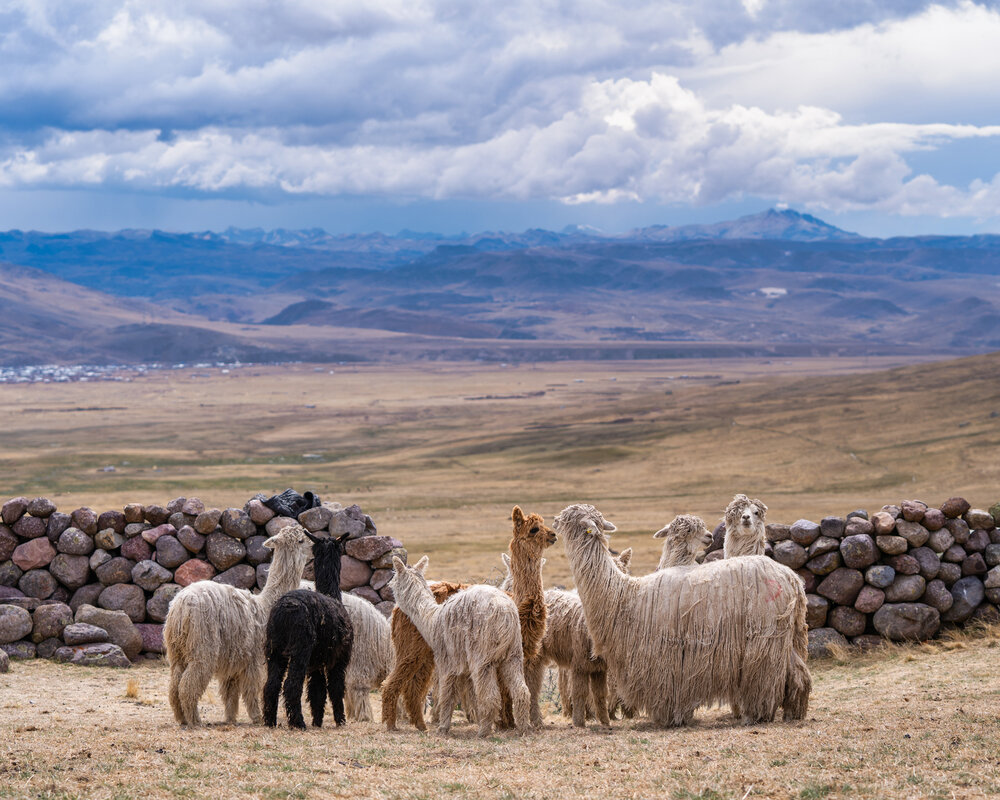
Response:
column 309, row 633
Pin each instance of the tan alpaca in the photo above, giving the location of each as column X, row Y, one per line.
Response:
column 731, row 630
column 567, row 644
column 216, row 629
column 475, row 635
column 684, row 539
column 745, row 531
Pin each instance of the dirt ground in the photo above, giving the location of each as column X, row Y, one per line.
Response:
column 910, row 721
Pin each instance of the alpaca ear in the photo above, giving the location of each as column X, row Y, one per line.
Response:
column 312, row 537
column 609, row 527
column 343, row 538
column 517, row 515
column 661, row 533
column 421, row 565
column 760, row 507
column 506, row 559
column 543, row 561
column 269, row 543
column 625, row 556
column 398, row 565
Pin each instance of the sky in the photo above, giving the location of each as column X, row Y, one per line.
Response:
column 881, row 116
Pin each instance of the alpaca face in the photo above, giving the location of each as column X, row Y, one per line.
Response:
column 744, row 513
column 292, row 536
column 583, row 520
column 530, row 532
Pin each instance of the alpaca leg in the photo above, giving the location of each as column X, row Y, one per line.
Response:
column 512, row 676
column 599, row 696
column 446, row 701
column 798, row 685
column 276, row 665
column 505, row 720
column 391, row 689
column 176, row 671
column 488, row 700
column 357, row 704
column 534, row 672
column 565, row 692
column 193, row 684
column 336, row 676
column 317, row 696
column 229, row 688
column 580, row 686
column 251, row 684
column 292, row 692
column 415, row 691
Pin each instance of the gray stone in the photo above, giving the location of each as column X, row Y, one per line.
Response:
column 955, row 554
column 20, row 651
column 13, row 509
column 48, row 621
column 934, row 519
column 107, row 539
column 75, row 542
column 907, row 621
column 992, row 579
column 859, row 513
column 848, row 621
column 804, row 532
column 81, row 633
column 276, row 524
column 133, row 513
column 37, row 583
column 30, row 527
column 8, row 543
column 974, row 565
column 823, row 642
column 149, row 575
column 867, row 642
column 978, row 541
column 242, row 576
column 824, row 544
column 385, row 608
column 178, row 520
column 56, row 524
column 913, row 510
column 315, row 519
column 85, row 519
column 86, row 595
column 975, row 518
column 159, row 603
column 93, row 655
column 15, row 623
column 967, row 593
column 842, row 586
column 136, row 529
column 353, row 573
column 119, row 626
column 9, row 592
column 207, row 521
column 237, row 523
column 262, row 570
column 949, row 573
column 790, row 553
column 385, row 562
column 125, row 597
column 824, row 564
column 958, row 529
column 175, row 505
column 99, row 557
column 904, row 564
column 170, row 553
column 224, row 551
column 71, row 571
column 192, row 507
column 112, row 519
column 353, row 521
column 955, row 506
column 893, row 511
column 380, row 578
column 193, row 541
column 809, row 581
column 858, row 551
column 987, row 614
column 832, row 527
column 155, row 515
column 869, row 600
column 776, row 532
column 928, row 561
column 117, row 570
column 891, row 545
column 937, row 596
column 368, row 594
column 259, row 513
column 369, row 548
column 905, row 589
column 914, row 533
column 992, row 555
column 4, row 662
column 859, row 526
column 816, row 610
column 47, row 647
column 256, row 552
column 10, row 573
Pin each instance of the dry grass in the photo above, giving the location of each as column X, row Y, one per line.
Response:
column 909, row 721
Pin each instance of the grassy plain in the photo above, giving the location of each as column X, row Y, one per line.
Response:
column 438, row 453
column 910, row 722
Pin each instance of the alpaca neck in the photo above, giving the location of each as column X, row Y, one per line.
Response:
column 417, row 602
column 328, row 581
column 526, row 577
column 284, row 575
column 600, row 583
column 675, row 554
column 738, row 543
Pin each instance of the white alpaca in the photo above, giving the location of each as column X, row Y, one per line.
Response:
column 684, row 539
column 745, row 532
column 372, row 656
column 216, row 629
column 728, row 631
column 474, row 634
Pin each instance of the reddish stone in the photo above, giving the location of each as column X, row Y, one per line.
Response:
column 955, row 507
column 193, row 570
column 869, row 600
column 112, row 519
column 33, row 554
column 136, row 549
column 934, row 519
column 152, row 534
column 152, row 637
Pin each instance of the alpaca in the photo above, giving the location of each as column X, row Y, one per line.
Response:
column 372, row 657
column 583, row 677
column 414, row 664
column 310, row 634
column 733, row 630
column 745, row 535
column 476, row 635
column 683, row 540
column 216, row 629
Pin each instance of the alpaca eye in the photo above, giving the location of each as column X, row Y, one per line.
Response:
column 534, row 530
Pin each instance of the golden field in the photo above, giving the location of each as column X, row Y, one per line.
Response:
column 439, row 453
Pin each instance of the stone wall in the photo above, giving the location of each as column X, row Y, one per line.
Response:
column 900, row 573
column 120, row 569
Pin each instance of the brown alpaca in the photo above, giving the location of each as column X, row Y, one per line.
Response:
column 414, row 666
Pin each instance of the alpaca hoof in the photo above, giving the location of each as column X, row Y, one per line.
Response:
column 299, row 724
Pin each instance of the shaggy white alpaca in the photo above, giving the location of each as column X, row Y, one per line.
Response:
column 728, row 631
column 583, row 677
column 372, row 656
column 216, row 629
column 683, row 540
column 473, row 634
column 745, row 533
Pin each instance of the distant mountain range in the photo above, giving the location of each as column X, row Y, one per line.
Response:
column 776, row 282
